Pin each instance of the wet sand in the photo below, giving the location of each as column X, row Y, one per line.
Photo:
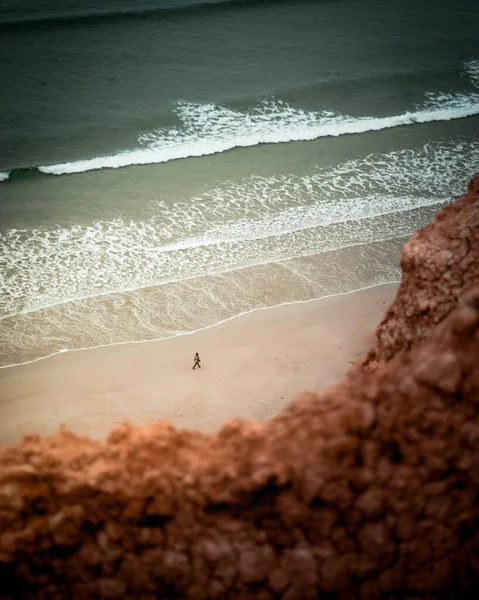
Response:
column 252, row 366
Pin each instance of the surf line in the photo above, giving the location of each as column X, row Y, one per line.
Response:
column 171, row 146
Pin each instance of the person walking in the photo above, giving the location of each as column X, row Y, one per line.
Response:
column 197, row 361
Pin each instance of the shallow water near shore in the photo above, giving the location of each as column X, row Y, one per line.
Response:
column 253, row 365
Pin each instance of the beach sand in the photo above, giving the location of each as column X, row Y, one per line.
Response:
column 252, row 366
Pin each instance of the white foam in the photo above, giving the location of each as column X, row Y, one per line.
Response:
column 382, row 280
column 210, row 129
column 472, row 69
column 253, row 222
column 4, row 175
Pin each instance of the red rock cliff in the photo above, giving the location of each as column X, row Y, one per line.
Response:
column 439, row 262
column 369, row 491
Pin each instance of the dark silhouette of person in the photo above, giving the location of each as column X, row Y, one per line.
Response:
column 197, row 361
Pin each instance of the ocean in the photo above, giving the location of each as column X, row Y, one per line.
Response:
column 169, row 164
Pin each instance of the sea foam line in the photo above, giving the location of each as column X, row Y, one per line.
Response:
column 220, row 269
column 210, row 129
column 472, row 70
column 386, row 282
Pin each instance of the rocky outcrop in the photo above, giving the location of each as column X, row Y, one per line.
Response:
column 367, row 492
column 439, row 262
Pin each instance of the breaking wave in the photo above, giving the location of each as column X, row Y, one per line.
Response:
column 209, row 129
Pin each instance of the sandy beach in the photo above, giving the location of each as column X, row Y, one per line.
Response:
column 252, row 366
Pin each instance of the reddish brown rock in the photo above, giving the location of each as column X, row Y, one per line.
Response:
column 439, row 263
column 390, row 510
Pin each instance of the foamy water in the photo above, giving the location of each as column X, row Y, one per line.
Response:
column 210, row 129
column 183, row 307
column 257, row 221
column 471, row 68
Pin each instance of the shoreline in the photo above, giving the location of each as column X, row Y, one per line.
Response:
column 186, row 333
column 253, row 365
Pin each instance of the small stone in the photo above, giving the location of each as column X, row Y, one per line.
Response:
column 278, row 580
column 371, row 501
column 334, row 570
column 442, row 372
column 464, row 319
column 374, row 539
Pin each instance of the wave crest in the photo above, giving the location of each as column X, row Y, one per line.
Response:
column 210, row 129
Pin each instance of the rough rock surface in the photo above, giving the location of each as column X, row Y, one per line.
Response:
column 369, row 492
column 439, row 262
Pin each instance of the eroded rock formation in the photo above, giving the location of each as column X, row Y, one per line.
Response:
column 369, row 491
column 439, row 262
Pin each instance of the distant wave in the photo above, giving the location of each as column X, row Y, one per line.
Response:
column 210, row 129
column 146, row 10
